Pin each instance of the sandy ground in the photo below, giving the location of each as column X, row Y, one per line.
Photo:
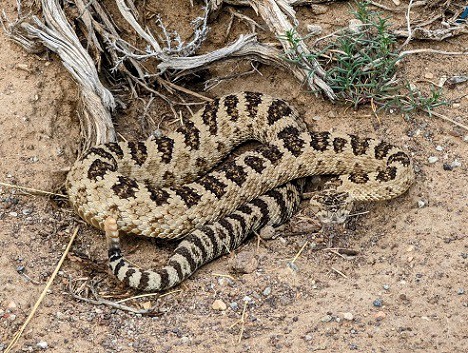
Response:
column 405, row 291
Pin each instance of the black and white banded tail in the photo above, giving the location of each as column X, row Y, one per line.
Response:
column 207, row 243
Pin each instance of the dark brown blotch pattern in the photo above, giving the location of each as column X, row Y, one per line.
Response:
column 358, row 178
column 359, row 145
column 277, row 110
column 400, row 157
column 115, row 148
column 270, row 152
column 138, row 151
column 256, row 163
column 230, row 103
column 99, row 168
column 189, row 195
column 213, row 185
column 235, row 173
column 253, row 100
column 210, row 116
column 165, row 146
column 387, row 174
column 319, row 141
column 191, row 134
column 291, row 140
column 339, row 144
column 382, row 149
column 157, row 195
column 98, row 151
column 125, row 187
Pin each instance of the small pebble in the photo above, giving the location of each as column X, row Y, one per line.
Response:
column 447, row 166
column 184, row 339
column 23, row 67
column 348, row 316
column 218, row 304
column 439, row 148
column 326, row 318
column 429, row 75
column 245, row 262
column 314, row 30
column 377, row 303
column 353, row 346
column 432, row 159
column 267, row 291
column 318, row 9
column 42, row 345
column 234, row 305
column 13, row 214
column 386, row 287
column 460, row 291
column 379, row 316
column 455, row 164
column 247, row 299
column 308, row 337
column 11, row 306
column 355, row 25
column 422, row 203
column 27, row 211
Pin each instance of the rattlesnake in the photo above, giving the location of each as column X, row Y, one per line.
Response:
column 169, row 185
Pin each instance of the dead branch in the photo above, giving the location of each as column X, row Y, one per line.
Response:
column 57, row 35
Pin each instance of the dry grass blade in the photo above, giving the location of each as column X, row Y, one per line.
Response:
column 32, row 190
column 20, row 331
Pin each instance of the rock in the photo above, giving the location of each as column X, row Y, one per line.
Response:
column 422, row 203
column 348, row 316
column 447, row 166
column 42, row 345
column 267, row 291
column 439, row 148
column 318, row 9
column 379, row 316
column 355, row 25
column 234, row 305
column 386, row 286
column 326, row 318
column 377, row 303
column 432, row 159
column 308, row 337
column 244, row 262
column 429, row 75
column 460, row 291
column 11, row 306
column 247, row 299
column 314, row 30
column 13, row 214
column 218, row 304
column 455, row 164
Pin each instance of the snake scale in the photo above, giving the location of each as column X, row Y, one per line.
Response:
column 172, row 185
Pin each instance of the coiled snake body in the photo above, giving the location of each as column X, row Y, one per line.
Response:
column 170, row 185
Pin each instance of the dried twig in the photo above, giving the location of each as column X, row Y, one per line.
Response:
column 32, row 191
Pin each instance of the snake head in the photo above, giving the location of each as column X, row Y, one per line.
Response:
column 331, row 207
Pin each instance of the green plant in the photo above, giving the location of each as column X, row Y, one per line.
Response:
column 361, row 64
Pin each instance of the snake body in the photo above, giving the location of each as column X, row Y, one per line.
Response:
column 170, row 185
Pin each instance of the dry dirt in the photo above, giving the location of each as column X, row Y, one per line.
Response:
column 405, row 291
